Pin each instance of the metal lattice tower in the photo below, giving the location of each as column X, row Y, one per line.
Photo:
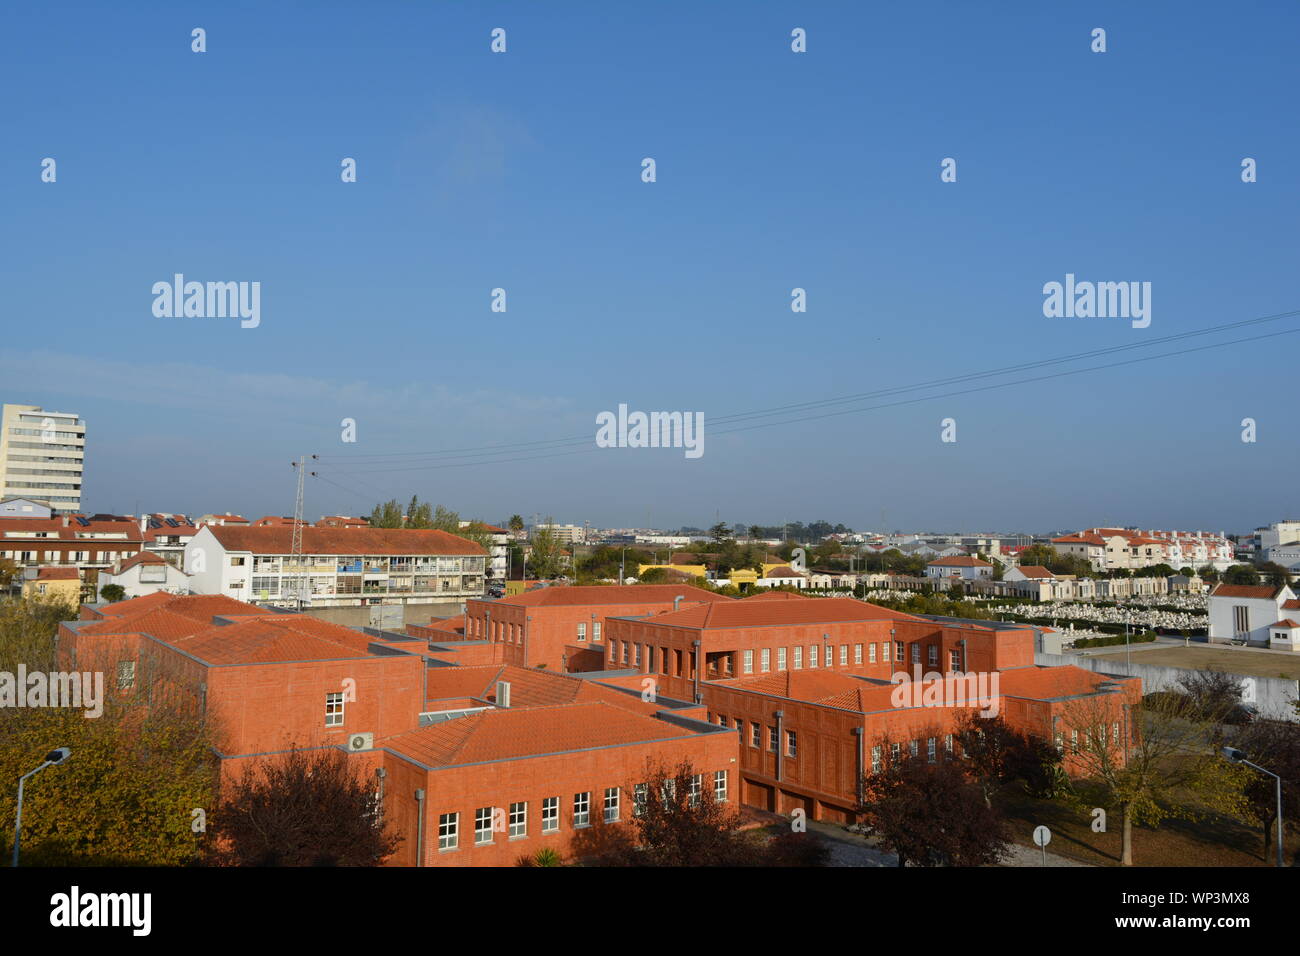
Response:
column 295, row 548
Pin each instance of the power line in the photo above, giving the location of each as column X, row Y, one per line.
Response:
column 487, row 452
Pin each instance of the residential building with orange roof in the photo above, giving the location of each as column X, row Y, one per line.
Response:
column 962, row 566
column 145, row 573
column 1250, row 614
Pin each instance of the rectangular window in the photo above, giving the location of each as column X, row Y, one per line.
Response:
column 611, row 804
column 780, row 658
column 334, row 709
column 749, row 662
column 640, row 794
column 791, row 744
column 884, row 649
column 954, row 661
column 582, row 809
column 1114, row 733
column 771, row 739
column 798, row 658
column 720, row 786
column 482, row 826
column 1241, row 619
column 448, row 831
column 930, row 749
column 875, row 757
column 518, row 820
column 871, row 653
column 912, row 747
column 947, row 743
column 765, row 660
column 844, row 654
column 812, row 655
column 1074, row 740
column 126, row 674
column 595, row 631
column 932, row 654
column 916, row 653
column 755, row 736
column 894, row 750
column 697, row 788
column 550, row 814
column 636, row 656
column 582, row 632
column 857, row 653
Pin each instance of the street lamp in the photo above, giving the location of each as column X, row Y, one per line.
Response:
column 1237, row 756
column 622, row 570
column 52, row 759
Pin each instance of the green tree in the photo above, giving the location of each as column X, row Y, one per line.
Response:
column 516, row 524
column 387, row 514
column 720, row 532
column 112, row 593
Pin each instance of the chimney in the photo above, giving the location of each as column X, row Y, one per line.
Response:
column 144, row 524
column 677, row 600
column 503, row 693
column 65, row 521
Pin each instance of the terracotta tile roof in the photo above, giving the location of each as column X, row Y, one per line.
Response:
column 58, row 574
column 1292, row 605
column 1036, row 571
column 511, row 734
column 784, row 571
column 158, row 622
column 611, row 594
column 1256, row 591
column 1044, row 683
column 1285, row 622
column 345, row 541
column 960, row 561
column 135, row 605
column 751, row 613
column 779, row 596
column 826, row 687
column 266, row 640
column 529, row 687
column 143, row 557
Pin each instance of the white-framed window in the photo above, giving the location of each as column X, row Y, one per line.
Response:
column 765, row 660
column 780, row 658
column 844, row 654
column 125, row 674
column 894, row 751
column 798, row 658
column 947, row 743
column 595, row 631
column 898, row 651
column 334, row 709
column 640, row 795
column 483, row 826
column 916, row 653
column 582, row 631
column 871, row 653
column 550, row 814
column 954, row 661
column 582, row 809
column 1114, row 733
column 611, row 804
column 857, row 653
column 1074, row 740
column 518, row 820
column 932, row 654
column 884, row 647
column 772, row 741
column 791, row 744
column 448, row 831
column 875, row 758
column 930, row 749
column 749, row 662
column 697, row 788
column 720, row 786
column 913, row 747
column 812, row 655
column 755, row 735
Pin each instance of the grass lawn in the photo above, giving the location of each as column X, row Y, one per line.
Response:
column 1230, row 660
column 1221, row 842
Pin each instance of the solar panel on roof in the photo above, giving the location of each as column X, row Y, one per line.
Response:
column 83, row 522
column 171, row 522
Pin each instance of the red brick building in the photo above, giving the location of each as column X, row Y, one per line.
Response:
column 557, row 627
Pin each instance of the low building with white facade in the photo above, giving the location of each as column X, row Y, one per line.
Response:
column 146, row 573
column 337, row 567
column 1251, row 613
column 959, row 566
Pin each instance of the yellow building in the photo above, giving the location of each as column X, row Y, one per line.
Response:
column 54, row 584
column 694, row 570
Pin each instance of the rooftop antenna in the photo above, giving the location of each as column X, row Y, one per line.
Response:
column 295, row 548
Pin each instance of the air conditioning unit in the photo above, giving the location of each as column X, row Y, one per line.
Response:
column 360, row 742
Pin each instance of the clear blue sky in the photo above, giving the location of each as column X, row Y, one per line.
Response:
column 775, row 170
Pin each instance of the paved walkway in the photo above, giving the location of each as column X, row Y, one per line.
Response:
column 851, row 849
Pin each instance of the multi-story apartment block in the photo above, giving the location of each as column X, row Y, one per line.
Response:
column 42, row 456
column 166, row 535
column 337, row 567
column 1109, row 549
column 88, row 544
column 565, row 533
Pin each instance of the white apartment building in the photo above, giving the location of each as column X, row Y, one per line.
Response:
column 42, row 456
column 338, row 567
column 499, row 557
column 1109, row 549
column 565, row 533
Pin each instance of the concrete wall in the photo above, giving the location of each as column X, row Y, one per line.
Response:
column 361, row 616
column 1272, row 695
